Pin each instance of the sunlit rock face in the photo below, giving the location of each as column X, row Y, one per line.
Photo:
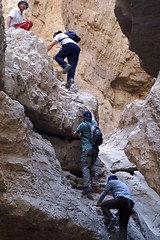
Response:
column 31, row 79
column 36, row 199
column 140, row 22
column 53, row 110
column 143, row 147
column 106, row 68
column 133, row 147
column 139, row 131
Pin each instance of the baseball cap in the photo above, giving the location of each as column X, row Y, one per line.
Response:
column 112, row 177
column 87, row 115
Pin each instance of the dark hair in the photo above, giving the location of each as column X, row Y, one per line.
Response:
column 56, row 33
column 112, row 177
column 23, row 1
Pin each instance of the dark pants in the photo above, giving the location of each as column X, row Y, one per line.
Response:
column 88, row 160
column 71, row 52
column 124, row 207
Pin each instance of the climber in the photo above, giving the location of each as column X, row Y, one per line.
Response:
column 122, row 201
column 70, row 50
column 89, row 152
column 16, row 17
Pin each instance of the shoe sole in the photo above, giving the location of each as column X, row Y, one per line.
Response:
column 66, row 69
column 87, row 196
column 68, row 85
column 112, row 225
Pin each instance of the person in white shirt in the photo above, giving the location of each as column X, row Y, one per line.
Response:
column 16, row 17
column 70, row 50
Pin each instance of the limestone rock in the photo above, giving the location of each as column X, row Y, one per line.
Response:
column 139, row 21
column 106, row 68
column 30, row 79
column 113, row 155
column 36, row 199
column 144, row 141
column 2, row 48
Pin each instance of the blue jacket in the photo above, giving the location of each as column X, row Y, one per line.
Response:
column 117, row 188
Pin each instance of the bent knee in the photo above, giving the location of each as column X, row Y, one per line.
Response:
column 55, row 58
column 103, row 205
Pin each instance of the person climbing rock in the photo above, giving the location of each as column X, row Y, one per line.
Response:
column 70, row 50
column 89, row 152
column 16, row 17
column 122, row 201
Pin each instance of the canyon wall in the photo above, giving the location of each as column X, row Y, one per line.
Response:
column 40, row 177
column 106, row 69
column 2, row 48
column 139, row 21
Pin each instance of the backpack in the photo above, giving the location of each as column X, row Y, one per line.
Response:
column 96, row 135
column 73, row 36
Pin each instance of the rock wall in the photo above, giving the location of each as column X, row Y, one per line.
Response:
column 38, row 202
column 139, row 21
column 53, row 110
column 133, row 147
column 2, row 48
column 30, row 78
column 38, row 199
column 144, row 142
column 106, row 69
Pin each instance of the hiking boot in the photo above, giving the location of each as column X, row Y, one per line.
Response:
column 69, row 83
column 111, row 224
column 66, row 69
column 88, row 195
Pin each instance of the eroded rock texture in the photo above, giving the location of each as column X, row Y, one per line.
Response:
column 140, row 22
column 135, row 146
column 143, row 147
column 36, row 200
column 106, row 68
column 2, row 48
column 30, row 78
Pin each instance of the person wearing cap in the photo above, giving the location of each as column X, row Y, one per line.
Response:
column 70, row 50
column 16, row 17
column 122, row 201
column 89, row 152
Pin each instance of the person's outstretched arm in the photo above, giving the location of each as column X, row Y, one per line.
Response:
column 51, row 45
column 106, row 190
column 9, row 22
